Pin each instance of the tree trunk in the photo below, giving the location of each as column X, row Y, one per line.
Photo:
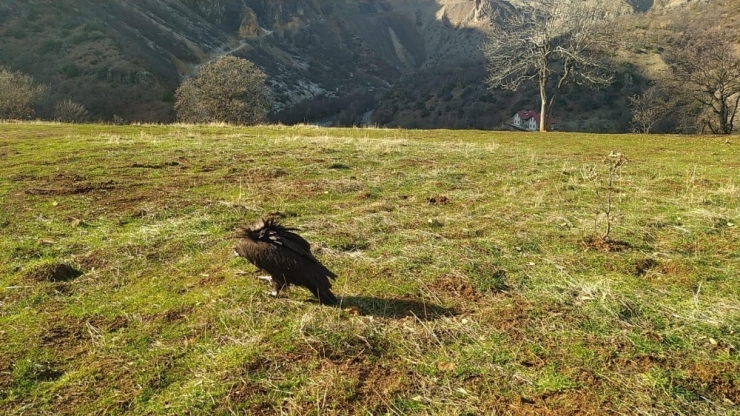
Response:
column 733, row 113
column 543, row 106
column 726, row 121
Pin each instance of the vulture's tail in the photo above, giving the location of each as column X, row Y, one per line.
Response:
column 325, row 297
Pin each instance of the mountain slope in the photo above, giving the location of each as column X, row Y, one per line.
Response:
column 416, row 62
column 126, row 57
column 116, row 57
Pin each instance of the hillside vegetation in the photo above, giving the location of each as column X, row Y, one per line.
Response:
column 415, row 64
column 472, row 273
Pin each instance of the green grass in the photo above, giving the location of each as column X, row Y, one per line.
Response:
column 119, row 293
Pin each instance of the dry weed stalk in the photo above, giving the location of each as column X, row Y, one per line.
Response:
column 614, row 161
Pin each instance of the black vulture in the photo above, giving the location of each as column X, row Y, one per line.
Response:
column 286, row 256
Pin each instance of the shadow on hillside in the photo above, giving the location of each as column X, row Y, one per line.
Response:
column 395, row 308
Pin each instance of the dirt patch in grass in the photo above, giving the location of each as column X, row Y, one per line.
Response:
column 636, row 364
column 211, row 280
column 439, row 199
column 156, row 165
column 72, row 188
column 363, row 195
column 513, row 314
column 171, row 315
column 587, row 399
column 68, row 338
column 264, row 173
column 52, row 272
column 598, row 243
column 251, row 393
column 107, row 324
column 712, row 379
column 63, row 335
column 371, row 384
column 513, row 317
column 246, row 391
column 675, row 268
column 575, row 402
column 375, row 384
column 456, row 286
column 374, row 378
column 722, row 379
column 6, row 373
column 642, row 266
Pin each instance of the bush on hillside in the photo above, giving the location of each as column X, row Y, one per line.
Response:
column 230, row 90
column 68, row 111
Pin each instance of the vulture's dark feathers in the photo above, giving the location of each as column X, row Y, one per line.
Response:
column 286, row 256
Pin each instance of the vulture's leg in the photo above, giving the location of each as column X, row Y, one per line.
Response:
column 277, row 287
column 266, row 278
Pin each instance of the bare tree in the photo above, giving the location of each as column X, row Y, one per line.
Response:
column 18, row 93
column 229, row 89
column 650, row 108
column 552, row 41
column 705, row 65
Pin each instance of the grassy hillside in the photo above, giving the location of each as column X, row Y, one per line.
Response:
column 119, row 293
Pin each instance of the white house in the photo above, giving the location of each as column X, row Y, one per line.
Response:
column 527, row 120
column 530, row 120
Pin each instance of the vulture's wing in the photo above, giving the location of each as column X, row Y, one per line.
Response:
column 275, row 233
column 300, row 246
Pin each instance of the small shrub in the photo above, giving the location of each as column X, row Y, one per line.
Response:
column 68, row 111
column 118, row 120
column 49, row 46
column 614, row 161
column 70, row 70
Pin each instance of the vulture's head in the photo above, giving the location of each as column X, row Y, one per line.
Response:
column 252, row 233
column 263, row 230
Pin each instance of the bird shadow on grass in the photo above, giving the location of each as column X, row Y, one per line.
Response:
column 395, row 308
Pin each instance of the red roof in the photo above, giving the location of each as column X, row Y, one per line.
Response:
column 527, row 114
